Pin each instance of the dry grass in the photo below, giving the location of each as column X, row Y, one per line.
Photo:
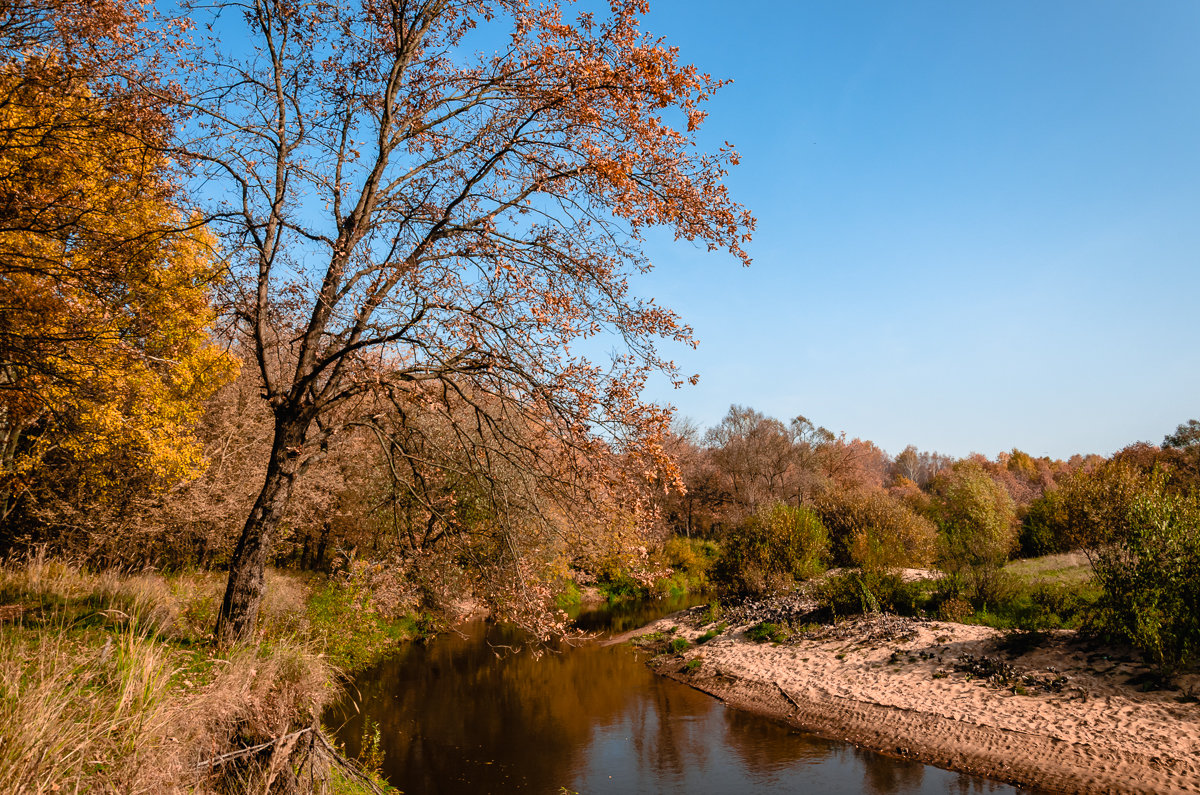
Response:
column 108, row 684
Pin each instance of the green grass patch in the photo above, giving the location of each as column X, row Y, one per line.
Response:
column 678, row 645
column 1040, row 606
column 354, row 635
column 569, row 597
column 1068, row 568
column 767, row 632
column 712, row 633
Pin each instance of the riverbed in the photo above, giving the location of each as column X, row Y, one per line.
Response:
column 478, row 710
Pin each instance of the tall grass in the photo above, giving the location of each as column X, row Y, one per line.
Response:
column 108, row 684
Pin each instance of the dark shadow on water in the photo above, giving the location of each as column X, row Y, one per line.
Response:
column 463, row 715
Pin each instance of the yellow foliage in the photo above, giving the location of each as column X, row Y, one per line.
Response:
column 105, row 356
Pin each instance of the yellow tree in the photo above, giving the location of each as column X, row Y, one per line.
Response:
column 105, row 287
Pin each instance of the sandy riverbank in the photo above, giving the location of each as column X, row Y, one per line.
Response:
column 1061, row 717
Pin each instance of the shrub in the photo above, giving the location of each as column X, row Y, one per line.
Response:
column 678, row 645
column 569, row 597
column 1151, row 582
column 346, row 621
column 690, row 560
column 771, row 550
column 977, row 520
column 1088, row 508
column 872, row 529
column 857, row 592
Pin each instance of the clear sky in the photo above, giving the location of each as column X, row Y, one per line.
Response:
column 978, row 222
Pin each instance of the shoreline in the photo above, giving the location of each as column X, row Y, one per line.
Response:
column 1059, row 717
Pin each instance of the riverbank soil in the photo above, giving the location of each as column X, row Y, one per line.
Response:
column 1055, row 714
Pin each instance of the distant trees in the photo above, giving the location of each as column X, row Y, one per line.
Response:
column 749, row 462
column 918, row 466
column 756, row 455
column 1187, row 434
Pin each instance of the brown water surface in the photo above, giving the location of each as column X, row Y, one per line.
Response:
column 475, row 711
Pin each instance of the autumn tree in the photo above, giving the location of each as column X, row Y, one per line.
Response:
column 918, row 466
column 105, row 282
column 694, row 509
column 432, row 200
column 754, row 452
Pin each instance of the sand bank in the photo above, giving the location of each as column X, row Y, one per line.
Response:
column 1061, row 717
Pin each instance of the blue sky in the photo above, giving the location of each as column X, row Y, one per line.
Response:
column 979, row 222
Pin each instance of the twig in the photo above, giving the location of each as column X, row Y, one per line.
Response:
column 229, row 757
column 346, row 765
column 787, row 695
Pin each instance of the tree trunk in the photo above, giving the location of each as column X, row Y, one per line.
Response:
column 247, row 570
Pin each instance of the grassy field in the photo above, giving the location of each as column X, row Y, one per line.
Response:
column 1068, row 568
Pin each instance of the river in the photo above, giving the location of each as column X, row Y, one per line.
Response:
column 475, row 711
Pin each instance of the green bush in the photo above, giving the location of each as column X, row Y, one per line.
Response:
column 1038, row 535
column 343, row 618
column 569, row 597
column 977, row 520
column 1088, row 508
column 771, row 550
column 1035, row 608
column 1151, row 581
column 678, row 645
column 691, row 560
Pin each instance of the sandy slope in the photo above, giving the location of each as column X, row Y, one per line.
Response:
column 891, row 684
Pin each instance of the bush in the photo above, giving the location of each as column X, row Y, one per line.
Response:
column 1151, row 582
column 691, row 560
column 345, row 619
column 857, row 592
column 771, row 550
column 1030, row 608
column 873, row 530
column 1039, row 535
column 1088, row 508
column 569, row 597
column 977, row 520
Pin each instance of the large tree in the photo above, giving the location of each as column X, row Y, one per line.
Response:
column 105, row 282
column 432, row 201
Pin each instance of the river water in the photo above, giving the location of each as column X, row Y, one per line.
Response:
column 474, row 711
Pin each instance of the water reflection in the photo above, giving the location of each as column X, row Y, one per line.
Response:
column 464, row 715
